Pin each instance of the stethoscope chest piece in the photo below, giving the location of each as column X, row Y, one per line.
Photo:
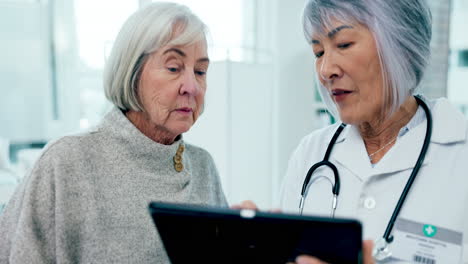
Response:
column 381, row 250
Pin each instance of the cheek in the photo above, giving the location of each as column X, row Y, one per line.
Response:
column 146, row 89
column 200, row 102
column 375, row 73
column 200, row 98
column 370, row 70
column 202, row 90
column 157, row 101
column 366, row 75
column 150, row 97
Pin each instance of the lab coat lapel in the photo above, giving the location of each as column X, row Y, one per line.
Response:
column 449, row 123
column 448, row 127
column 351, row 153
column 404, row 154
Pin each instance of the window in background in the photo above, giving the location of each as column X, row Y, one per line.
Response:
column 458, row 60
column 97, row 25
column 231, row 27
column 19, row 1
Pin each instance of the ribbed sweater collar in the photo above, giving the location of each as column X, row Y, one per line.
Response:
column 118, row 125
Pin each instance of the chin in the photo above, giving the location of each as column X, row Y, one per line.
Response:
column 348, row 118
column 181, row 128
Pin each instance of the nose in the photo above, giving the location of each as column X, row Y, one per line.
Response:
column 189, row 85
column 328, row 68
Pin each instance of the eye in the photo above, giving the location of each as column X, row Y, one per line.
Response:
column 173, row 69
column 200, row 73
column 319, row 54
column 345, row 45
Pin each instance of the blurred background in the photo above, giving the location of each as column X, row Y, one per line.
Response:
column 261, row 97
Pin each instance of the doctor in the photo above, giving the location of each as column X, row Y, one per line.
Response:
column 401, row 161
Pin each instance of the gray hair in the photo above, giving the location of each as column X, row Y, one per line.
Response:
column 148, row 29
column 401, row 29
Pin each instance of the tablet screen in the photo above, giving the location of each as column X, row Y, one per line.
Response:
column 195, row 234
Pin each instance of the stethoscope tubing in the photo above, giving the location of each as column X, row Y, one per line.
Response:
column 427, row 140
column 336, row 187
column 325, row 162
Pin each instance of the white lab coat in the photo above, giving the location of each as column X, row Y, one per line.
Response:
column 439, row 195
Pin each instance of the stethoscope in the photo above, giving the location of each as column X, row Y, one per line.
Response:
column 381, row 250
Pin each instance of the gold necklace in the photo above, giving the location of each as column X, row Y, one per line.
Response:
column 380, row 149
column 178, row 166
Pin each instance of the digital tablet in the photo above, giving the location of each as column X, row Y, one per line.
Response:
column 196, row 234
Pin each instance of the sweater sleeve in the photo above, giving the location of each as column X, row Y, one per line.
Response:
column 219, row 193
column 221, row 197
column 27, row 225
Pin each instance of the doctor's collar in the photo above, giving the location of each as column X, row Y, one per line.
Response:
column 450, row 125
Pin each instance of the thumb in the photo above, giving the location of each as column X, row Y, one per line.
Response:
column 367, row 247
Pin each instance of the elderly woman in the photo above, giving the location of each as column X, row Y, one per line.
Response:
column 86, row 199
column 401, row 159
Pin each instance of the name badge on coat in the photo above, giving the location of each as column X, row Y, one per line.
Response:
column 425, row 243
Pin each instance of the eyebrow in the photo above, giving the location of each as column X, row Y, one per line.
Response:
column 332, row 33
column 181, row 53
column 176, row 50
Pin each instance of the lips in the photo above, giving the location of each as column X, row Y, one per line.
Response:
column 340, row 95
column 338, row 92
column 185, row 109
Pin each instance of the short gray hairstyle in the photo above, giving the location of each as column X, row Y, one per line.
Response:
column 148, row 29
column 402, row 31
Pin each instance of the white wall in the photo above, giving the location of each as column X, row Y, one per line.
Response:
column 457, row 91
column 236, row 129
column 66, row 59
column 25, row 73
column 257, row 113
column 294, row 76
column 28, row 41
column 459, row 19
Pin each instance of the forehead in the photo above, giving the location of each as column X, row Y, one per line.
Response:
column 196, row 49
column 187, row 36
column 335, row 28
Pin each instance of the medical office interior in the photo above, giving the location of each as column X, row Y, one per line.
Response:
column 261, row 97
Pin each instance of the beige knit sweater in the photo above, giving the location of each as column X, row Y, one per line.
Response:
column 86, row 199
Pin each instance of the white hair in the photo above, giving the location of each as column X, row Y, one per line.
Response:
column 401, row 29
column 148, row 29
